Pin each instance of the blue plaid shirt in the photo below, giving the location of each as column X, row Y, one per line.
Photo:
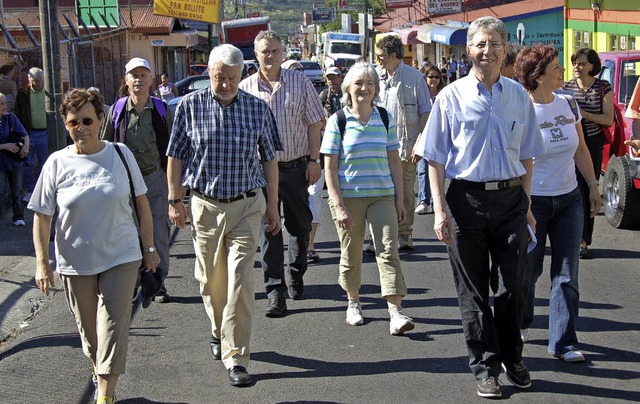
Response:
column 221, row 147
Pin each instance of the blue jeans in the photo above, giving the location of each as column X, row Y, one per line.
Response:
column 560, row 218
column 14, row 180
column 38, row 149
column 424, row 190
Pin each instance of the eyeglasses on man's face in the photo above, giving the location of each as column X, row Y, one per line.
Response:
column 492, row 45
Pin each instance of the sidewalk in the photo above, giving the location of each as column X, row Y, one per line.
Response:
column 20, row 299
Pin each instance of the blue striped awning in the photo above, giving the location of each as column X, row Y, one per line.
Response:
column 449, row 35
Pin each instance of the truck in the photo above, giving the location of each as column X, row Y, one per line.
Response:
column 242, row 32
column 621, row 168
column 341, row 50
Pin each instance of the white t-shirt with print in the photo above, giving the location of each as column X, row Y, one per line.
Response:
column 95, row 230
column 554, row 172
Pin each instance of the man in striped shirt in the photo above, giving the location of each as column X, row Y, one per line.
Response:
column 300, row 117
column 213, row 151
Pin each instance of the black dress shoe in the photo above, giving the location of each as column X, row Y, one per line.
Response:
column 216, row 348
column 238, row 376
column 296, row 289
column 277, row 307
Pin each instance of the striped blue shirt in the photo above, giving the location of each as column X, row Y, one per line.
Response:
column 363, row 168
column 219, row 145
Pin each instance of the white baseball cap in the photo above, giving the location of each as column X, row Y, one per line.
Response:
column 137, row 62
column 332, row 70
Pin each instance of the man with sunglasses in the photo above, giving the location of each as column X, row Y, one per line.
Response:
column 482, row 135
column 404, row 93
column 145, row 129
column 299, row 115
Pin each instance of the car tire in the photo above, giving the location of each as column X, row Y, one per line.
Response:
column 620, row 198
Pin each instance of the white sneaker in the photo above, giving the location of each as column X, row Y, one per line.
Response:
column 424, row 208
column 399, row 323
column 572, row 356
column 354, row 314
column 19, row 222
column 524, row 334
column 27, row 197
column 405, row 242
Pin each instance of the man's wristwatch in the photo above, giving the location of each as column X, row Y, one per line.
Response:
column 174, row 201
column 150, row 249
column 317, row 161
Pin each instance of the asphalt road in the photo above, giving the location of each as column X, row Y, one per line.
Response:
column 313, row 356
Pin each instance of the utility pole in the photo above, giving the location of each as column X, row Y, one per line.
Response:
column 52, row 73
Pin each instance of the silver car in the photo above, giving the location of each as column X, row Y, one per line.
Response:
column 313, row 72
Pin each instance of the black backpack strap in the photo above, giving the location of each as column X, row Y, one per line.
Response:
column 131, row 190
column 342, row 122
column 384, row 115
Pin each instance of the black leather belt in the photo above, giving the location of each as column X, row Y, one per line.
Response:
column 495, row 185
column 149, row 171
column 292, row 163
column 40, row 130
column 244, row 195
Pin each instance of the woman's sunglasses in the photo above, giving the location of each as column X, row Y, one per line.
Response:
column 433, row 77
column 84, row 121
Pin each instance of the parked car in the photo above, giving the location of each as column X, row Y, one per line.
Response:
column 313, row 71
column 197, row 69
column 621, row 184
column 294, row 53
column 192, row 83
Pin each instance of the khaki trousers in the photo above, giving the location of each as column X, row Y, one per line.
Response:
column 225, row 239
column 408, row 195
column 101, row 305
column 381, row 214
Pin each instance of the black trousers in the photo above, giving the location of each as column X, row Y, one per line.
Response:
column 489, row 223
column 294, row 200
column 594, row 144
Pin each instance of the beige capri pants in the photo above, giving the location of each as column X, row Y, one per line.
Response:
column 101, row 306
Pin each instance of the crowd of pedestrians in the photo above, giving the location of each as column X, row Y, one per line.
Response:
column 499, row 154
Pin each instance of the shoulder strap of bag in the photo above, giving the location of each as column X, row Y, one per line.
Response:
column 572, row 105
column 342, row 120
column 126, row 166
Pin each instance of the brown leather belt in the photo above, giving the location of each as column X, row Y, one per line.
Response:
column 244, row 195
column 495, row 185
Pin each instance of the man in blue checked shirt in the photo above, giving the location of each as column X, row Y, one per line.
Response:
column 223, row 148
column 482, row 134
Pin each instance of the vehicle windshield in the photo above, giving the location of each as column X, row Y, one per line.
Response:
column 630, row 70
column 341, row 47
column 310, row 66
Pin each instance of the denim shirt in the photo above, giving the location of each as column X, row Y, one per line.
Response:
column 480, row 135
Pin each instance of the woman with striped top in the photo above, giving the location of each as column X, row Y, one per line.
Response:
column 364, row 179
column 595, row 99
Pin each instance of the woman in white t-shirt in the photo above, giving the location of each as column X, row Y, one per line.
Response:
column 556, row 201
column 96, row 240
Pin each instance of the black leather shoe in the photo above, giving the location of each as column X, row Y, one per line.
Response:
column 277, row 307
column 238, row 376
column 296, row 289
column 216, row 348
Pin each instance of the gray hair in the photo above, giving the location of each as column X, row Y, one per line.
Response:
column 36, row 73
column 486, row 24
column 2, row 97
column 268, row 35
column 355, row 72
column 226, row 54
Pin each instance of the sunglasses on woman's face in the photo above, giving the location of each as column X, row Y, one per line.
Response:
column 433, row 77
column 84, row 121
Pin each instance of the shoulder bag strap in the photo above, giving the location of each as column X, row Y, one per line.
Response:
column 131, row 190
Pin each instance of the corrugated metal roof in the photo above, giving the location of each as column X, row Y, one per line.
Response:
column 505, row 10
column 144, row 21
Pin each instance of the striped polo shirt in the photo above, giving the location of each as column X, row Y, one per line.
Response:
column 363, row 168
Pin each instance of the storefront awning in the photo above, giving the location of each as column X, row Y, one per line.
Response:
column 449, row 35
column 409, row 36
column 424, row 32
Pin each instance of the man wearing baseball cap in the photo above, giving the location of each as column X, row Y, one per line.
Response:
column 143, row 123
